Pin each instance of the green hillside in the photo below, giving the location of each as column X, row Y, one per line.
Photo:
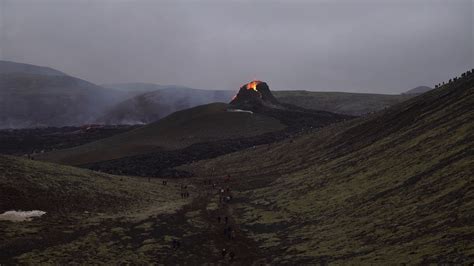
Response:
column 200, row 124
column 393, row 187
column 90, row 217
column 340, row 102
column 30, row 185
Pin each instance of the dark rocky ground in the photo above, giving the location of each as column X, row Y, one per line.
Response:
column 37, row 140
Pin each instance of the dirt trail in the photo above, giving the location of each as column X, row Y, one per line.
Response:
column 206, row 245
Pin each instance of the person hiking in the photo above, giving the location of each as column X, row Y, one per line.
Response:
column 176, row 244
column 218, row 219
column 226, row 219
column 231, row 255
column 224, row 252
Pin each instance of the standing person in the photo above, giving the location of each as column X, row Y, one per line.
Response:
column 231, row 255
column 224, row 252
column 226, row 219
column 218, row 219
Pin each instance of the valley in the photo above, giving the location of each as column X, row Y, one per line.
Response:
column 297, row 187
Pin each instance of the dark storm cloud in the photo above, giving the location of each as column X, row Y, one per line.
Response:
column 366, row 46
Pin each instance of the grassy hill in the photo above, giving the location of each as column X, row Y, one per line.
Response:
column 340, row 102
column 95, row 218
column 87, row 214
column 199, row 124
column 31, row 185
column 393, row 187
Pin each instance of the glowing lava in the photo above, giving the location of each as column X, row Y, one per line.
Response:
column 253, row 85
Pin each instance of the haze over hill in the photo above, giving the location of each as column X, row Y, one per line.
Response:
column 151, row 106
column 160, row 102
column 32, row 96
column 252, row 113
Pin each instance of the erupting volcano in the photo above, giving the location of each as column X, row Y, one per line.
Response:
column 254, row 94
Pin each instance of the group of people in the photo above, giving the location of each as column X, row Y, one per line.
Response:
column 184, row 191
column 225, row 196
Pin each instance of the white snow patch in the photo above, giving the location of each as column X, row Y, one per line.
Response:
column 20, row 216
column 239, row 110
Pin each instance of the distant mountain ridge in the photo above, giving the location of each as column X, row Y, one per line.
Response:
column 418, row 90
column 35, row 96
column 8, row 67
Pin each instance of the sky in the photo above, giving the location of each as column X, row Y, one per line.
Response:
column 378, row 46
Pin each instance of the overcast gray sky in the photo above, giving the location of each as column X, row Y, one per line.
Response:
column 382, row 46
